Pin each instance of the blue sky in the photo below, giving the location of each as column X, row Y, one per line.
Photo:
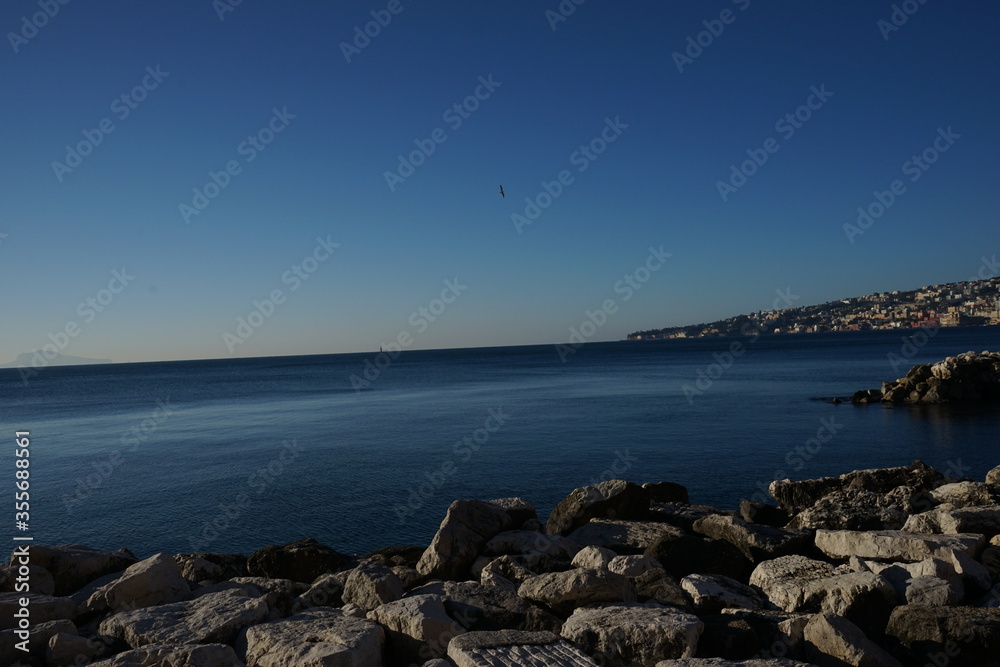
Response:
column 209, row 85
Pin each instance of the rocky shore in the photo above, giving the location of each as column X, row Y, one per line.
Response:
column 967, row 378
column 887, row 567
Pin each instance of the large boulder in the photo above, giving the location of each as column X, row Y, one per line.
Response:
column 74, row 565
column 593, row 558
column 754, row 541
column 956, row 636
column 530, row 542
column 465, row 530
column 315, row 638
column 665, row 492
column 477, row 607
column 800, row 584
column 215, row 617
column 894, row 544
column 303, row 561
column 418, row 627
column 711, row 593
column 504, row 572
column 993, row 477
column 833, row 641
column 946, row 520
column 963, row 494
column 658, row 586
column 516, row 647
column 174, row 655
column 41, row 607
column 614, row 499
column 621, row 635
column 798, row 496
column 855, row 510
column 156, row 580
column 327, row 591
column 371, row 584
column 622, row 535
column 565, row 591
column 211, row 567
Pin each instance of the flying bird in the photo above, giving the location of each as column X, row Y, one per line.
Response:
column 501, row 192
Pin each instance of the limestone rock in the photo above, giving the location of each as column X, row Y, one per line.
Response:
column 156, row 580
column 476, row 607
column 834, row 641
column 315, row 638
column 64, row 648
column 982, row 520
column 963, row 494
column 614, row 499
column 466, row 528
column 682, row 515
column 658, row 586
column 41, row 607
column 418, row 627
column 327, row 591
column 991, row 561
column 622, row 536
column 395, row 556
column 303, row 561
column 513, row 647
column 204, row 567
column 764, row 514
column 756, row 542
column 504, row 572
column 565, row 591
column 894, row 544
column 798, row 496
column 593, row 558
column 857, row 510
column 38, row 638
column 933, row 591
column 74, row 565
column 633, row 566
column 625, row 634
column 530, row 541
column 371, row 584
column 40, row 580
column 215, row 617
column 170, row 655
column 961, row 636
column 711, row 593
column 993, row 477
column 521, row 512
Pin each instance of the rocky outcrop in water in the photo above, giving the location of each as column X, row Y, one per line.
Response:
column 888, row 567
column 967, row 378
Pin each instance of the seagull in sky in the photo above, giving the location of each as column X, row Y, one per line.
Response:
column 501, row 192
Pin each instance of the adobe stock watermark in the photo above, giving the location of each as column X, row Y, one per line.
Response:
column 122, row 107
column 248, row 149
column 223, row 7
column 363, row 36
column 707, row 376
column 257, row 482
column 901, row 13
column 263, row 310
column 915, row 167
column 88, row 310
column 713, row 30
column 31, row 25
column 462, row 451
column 420, row 319
column 454, row 116
column 131, row 439
column 787, row 126
column 629, row 284
column 562, row 12
column 990, row 268
column 581, row 158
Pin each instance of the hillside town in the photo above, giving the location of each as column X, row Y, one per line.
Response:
column 972, row 303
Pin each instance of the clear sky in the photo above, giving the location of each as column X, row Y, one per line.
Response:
column 309, row 114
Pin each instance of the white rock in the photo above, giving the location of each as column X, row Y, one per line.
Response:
column 593, row 558
column 624, row 634
column 633, row 566
column 418, row 626
column 893, row 544
column 156, row 580
column 315, row 638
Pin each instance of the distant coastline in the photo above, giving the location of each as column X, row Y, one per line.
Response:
column 972, row 303
column 37, row 359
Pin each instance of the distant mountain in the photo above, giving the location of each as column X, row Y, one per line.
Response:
column 35, row 359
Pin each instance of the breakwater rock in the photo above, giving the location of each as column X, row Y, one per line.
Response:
column 967, row 378
column 887, row 567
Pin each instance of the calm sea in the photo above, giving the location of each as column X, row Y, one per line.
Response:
column 233, row 455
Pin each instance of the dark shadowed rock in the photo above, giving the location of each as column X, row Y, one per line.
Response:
column 658, row 586
column 754, row 541
column 728, row 636
column 833, row 641
column 689, row 554
column 764, row 514
column 394, row 556
column 961, row 636
column 417, row 628
column 681, row 515
column 42, row 608
column 711, row 593
column 303, row 561
column 665, row 492
column 175, row 655
column 465, row 530
column 220, row 566
column 622, row 536
column 476, row 607
column 515, row 647
column 614, row 499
